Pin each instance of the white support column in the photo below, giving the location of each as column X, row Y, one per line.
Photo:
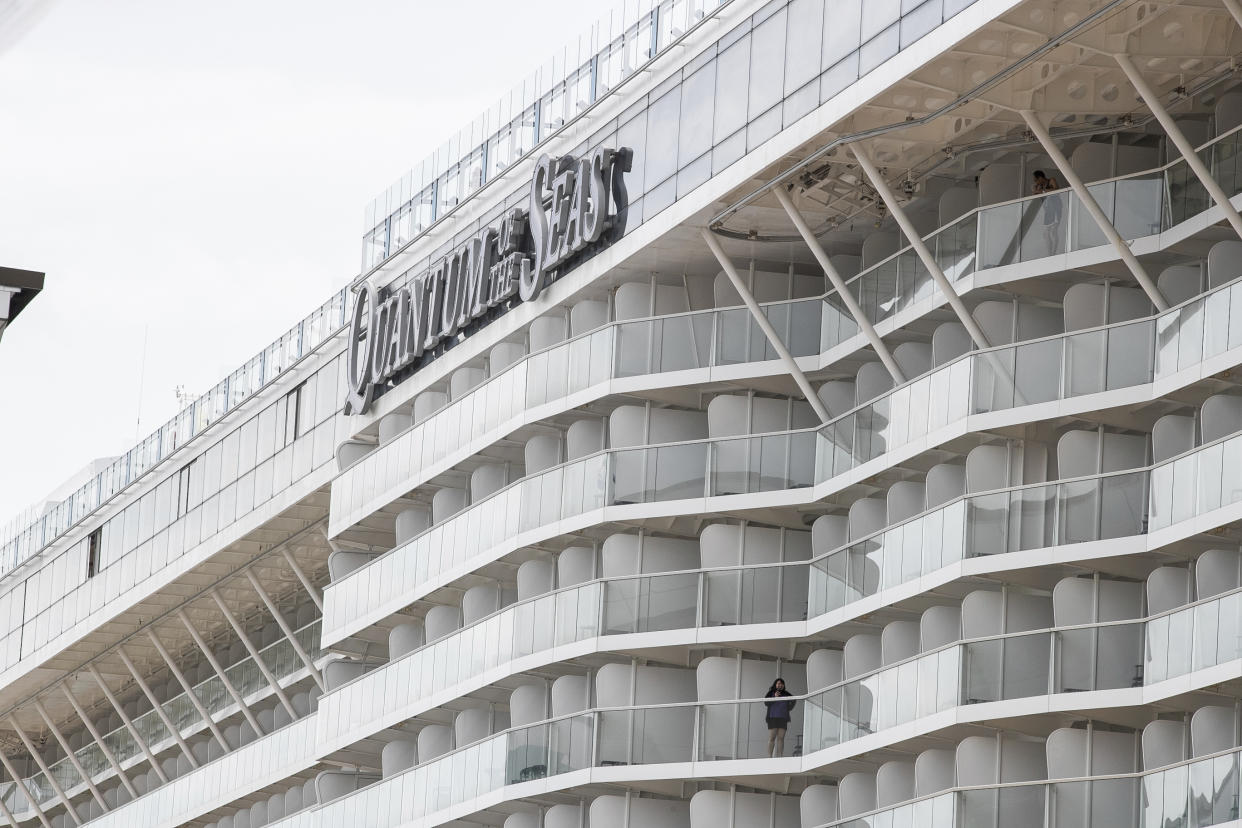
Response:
column 254, row 651
column 3, row 807
column 920, row 249
column 1093, row 207
column 748, row 298
column 47, row 772
column 73, row 758
column 286, row 629
column 173, row 730
column 128, row 722
column 821, row 256
column 311, row 589
column 223, row 676
column 1180, row 141
column 203, row 713
column 21, row 783
column 98, row 737
column 1234, row 8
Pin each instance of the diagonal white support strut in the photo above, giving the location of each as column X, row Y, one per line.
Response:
column 1093, row 207
column 1180, row 141
column 774, row 338
column 851, row 304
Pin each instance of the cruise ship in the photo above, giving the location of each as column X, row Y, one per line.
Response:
column 771, row 414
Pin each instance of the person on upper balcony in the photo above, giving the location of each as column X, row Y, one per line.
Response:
column 1050, row 211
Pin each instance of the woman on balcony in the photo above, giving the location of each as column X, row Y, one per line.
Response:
column 779, row 710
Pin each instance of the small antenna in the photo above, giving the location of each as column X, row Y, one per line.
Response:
column 142, row 378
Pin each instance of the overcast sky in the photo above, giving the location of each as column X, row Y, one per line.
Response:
column 195, row 173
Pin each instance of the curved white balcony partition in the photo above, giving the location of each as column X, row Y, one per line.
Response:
column 730, row 731
column 528, row 703
column 543, row 451
column 411, row 522
column 899, row 640
column 862, row 654
column 428, row 403
column 398, row 755
column 818, row 805
column 776, row 286
column 1168, row 587
column 1217, row 571
column 939, row 626
column 442, row 620
column 1103, row 657
column 475, row 723
column 1000, row 182
column 480, row 601
column 824, row 668
column 733, row 809
column 575, row 565
column 464, row 379
column 766, row 594
column 1088, row 305
column 405, row 638
column 1004, row 323
column 585, row 437
column 956, row 202
column 1180, row 283
column 350, row 452
column 547, row 330
column 662, row 733
column 1224, row 263
column 913, row 358
column 1212, row 729
column 868, row 515
column 535, row 577
column 856, row 794
column 565, row 816
column 342, row 561
column 522, row 820
column 1106, row 805
column 944, row 482
column 877, row 247
column 950, row 340
column 1228, row 112
column 998, row 671
column 905, row 499
column 392, row 425
column 991, row 760
column 1219, row 416
column 335, row 674
column 829, row 532
column 894, row 782
column 434, row 740
column 504, row 354
column 618, row 812
column 587, row 315
column 447, row 502
column 570, row 694
column 488, row 479
column 330, row 785
column 872, row 380
column 1172, row 434
column 1164, row 742
column 625, row 554
column 729, row 415
column 637, row 300
column 837, row 396
column 1094, row 160
column 634, row 425
column 934, row 771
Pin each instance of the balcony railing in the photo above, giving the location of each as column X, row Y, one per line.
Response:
column 996, row 668
column 1113, row 357
column 281, row 659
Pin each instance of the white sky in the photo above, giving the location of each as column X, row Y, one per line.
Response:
column 196, row 172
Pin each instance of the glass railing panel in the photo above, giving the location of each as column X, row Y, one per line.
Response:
column 646, row 735
column 1203, row 635
column 755, row 595
column 650, row 475
column 650, row 603
column 837, row 324
column 673, row 343
column 1196, row 483
column 767, row 463
column 1184, row 194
